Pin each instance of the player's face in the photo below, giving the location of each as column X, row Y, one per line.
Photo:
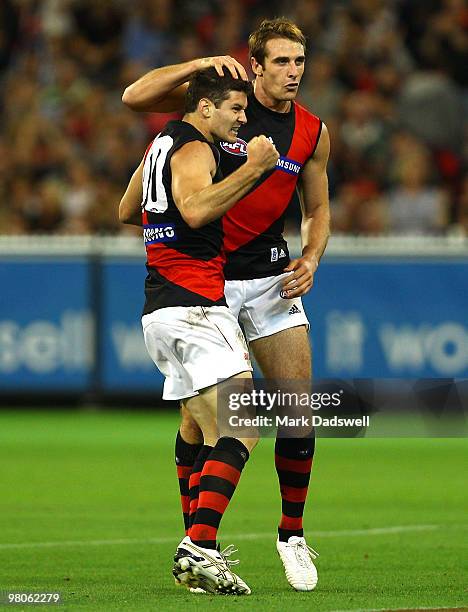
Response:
column 229, row 117
column 283, row 68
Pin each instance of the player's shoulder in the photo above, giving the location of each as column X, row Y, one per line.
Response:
column 186, row 136
column 309, row 125
column 179, row 129
column 306, row 113
column 197, row 146
column 199, row 153
column 165, row 139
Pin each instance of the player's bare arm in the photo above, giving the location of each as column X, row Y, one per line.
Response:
column 193, row 166
column 163, row 90
column 130, row 204
column 315, row 227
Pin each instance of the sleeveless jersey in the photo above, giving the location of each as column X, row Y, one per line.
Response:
column 185, row 265
column 253, row 228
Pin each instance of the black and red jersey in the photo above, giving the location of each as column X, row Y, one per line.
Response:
column 253, row 228
column 185, row 265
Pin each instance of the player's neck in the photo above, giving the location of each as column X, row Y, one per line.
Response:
column 199, row 124
column 279, row 106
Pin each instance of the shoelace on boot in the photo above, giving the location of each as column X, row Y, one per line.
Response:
column 227, row 552
column 304, row 553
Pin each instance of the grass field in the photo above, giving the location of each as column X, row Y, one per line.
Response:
column 89, row 508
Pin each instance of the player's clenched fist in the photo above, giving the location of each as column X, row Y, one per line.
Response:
column 262, row 152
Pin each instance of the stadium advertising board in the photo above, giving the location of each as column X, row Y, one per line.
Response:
column 370, row 318
column 381, row 319
column 125, row 363
column 46, row 325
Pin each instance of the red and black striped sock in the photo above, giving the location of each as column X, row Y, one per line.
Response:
column 218, row 482
column 185, row 456
column 293, row 462
column 194, row 480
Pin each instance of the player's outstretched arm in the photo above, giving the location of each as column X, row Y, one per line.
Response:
column 163, row 90
column 315, row 226
column 130, row 204
column 197, row 197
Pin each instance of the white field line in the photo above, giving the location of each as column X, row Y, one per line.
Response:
column 242, row 536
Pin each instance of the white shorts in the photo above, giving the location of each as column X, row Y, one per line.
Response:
column 261, row 310
column 194, row 347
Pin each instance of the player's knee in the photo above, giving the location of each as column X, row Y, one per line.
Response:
column 191, row 433
column 189, row 430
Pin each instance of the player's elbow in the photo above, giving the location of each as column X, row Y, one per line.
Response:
column 125, row 220
column 193, row 220
column 125, row 215
column 129, row 98
column 192, row 213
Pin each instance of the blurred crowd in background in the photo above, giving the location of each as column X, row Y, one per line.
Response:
column 388, row 77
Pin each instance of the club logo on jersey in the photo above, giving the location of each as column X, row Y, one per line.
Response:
column 235, row 148
column 159, row 233
column 288, row 165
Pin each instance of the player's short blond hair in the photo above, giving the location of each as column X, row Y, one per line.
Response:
column 281, row 27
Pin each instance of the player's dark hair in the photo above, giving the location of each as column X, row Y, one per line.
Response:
column 208, row 84
column 280, row 27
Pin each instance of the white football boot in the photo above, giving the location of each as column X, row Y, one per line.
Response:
column 207, row 569
column 297, row 558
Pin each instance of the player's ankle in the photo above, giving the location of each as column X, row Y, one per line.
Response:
column 285, row 534
column 209, row 544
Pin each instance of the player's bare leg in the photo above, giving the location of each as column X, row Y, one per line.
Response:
column 189, row 429
column 271, row 351
column 286, row 356
column 203, row 409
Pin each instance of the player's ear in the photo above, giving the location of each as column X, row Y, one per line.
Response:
column 257, row 68
column 205, row 107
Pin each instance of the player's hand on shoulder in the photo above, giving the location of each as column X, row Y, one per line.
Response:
column 262, row 152
column 222, row 62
